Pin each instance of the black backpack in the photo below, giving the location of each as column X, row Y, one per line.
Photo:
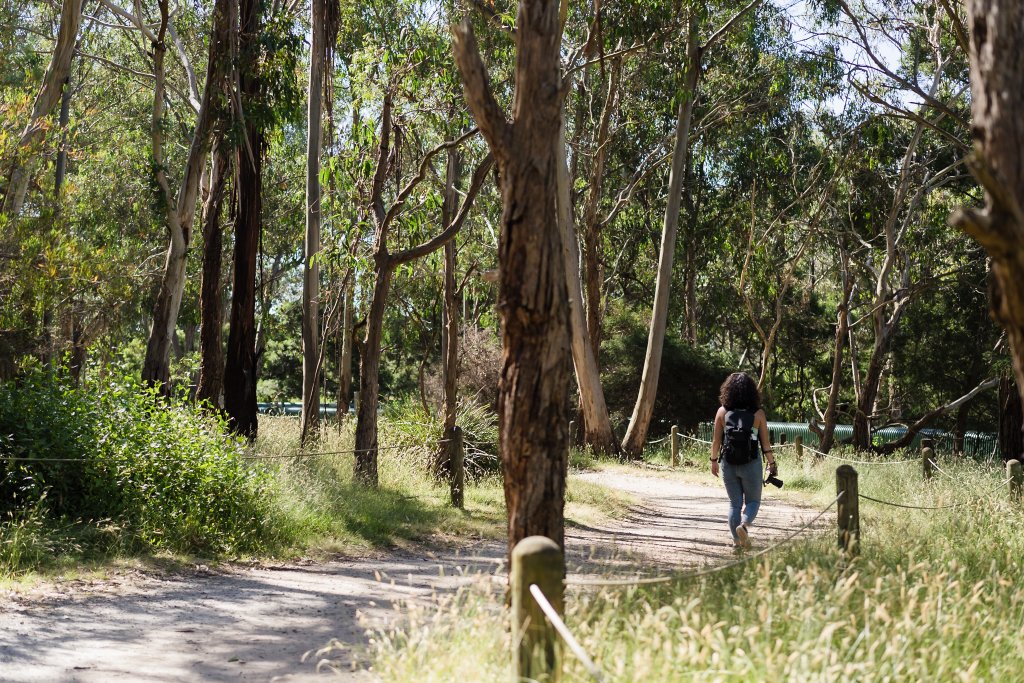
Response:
column 740, row 443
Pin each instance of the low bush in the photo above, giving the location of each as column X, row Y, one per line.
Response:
column 114, row 454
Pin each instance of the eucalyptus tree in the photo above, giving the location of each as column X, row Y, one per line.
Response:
column 532, row 287
column 180, row 205
column 639, row 422
column 324, row 18
column 996, row 29
column 400, row 208
column 20, row 167
column 266, row 96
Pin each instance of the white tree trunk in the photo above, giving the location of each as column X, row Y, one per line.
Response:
column 47, row 98
column 595, row 411
column 636, row 435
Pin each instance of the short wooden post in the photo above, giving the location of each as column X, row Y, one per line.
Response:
column 771, row 437
column 457, row 455
column 927, row 458
column 536, row 651
column 849, row 509
column 799, row 441
column 1015, row 474
column 572, row 433
column 782, row 439
column 675, row 446
column 355, row 400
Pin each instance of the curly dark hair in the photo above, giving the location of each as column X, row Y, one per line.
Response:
column 739, row 391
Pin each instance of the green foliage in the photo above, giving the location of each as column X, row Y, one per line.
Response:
column 687, row 387
column 112, row 454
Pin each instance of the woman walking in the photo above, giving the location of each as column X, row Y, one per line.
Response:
column 739, row 425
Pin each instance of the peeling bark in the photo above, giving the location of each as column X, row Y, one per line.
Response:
column 533, row 415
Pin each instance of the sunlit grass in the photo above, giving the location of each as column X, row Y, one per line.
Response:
column 322, row 509
column 933, row 596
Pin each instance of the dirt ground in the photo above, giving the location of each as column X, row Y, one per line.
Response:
column 269, row 623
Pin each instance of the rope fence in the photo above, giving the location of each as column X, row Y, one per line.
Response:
column 275, row 456
column 563, row 630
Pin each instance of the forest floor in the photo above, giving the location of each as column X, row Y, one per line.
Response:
column 269, row 622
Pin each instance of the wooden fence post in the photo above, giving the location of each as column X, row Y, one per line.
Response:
column 457, row 455
column 675, row 446
column 799, row 441
column 536, row 654
column 849, row 509
column 1015, row 474
column 927, row 458
column 572, row 433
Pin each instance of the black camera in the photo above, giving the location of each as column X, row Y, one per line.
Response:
column 773, row 480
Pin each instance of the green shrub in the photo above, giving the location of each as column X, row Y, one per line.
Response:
column 687, row 385
column 114, row 453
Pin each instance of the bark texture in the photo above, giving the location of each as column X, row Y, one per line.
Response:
column 211, row 306
column 180, row 205
column 996, row 32
column 533, row 388
column 240, row 359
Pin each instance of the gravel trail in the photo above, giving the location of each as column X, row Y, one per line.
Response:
column 267, row 623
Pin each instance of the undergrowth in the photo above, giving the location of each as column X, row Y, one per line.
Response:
column 110, row 467
column 933, row 596
column 111, row 470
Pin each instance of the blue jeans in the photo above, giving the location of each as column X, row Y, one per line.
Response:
column 743, row 483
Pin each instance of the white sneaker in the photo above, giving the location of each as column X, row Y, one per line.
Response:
column 742, row 537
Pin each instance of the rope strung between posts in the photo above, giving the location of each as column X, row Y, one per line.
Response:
column 15, row 458
column 348, row 452
column 679, row 576
column 939, row 507
column 563, row 630
column 856, row 462
column 693, row 438
column 908, row 507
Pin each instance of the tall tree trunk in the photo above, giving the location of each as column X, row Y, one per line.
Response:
column 450, row 320
column 240, row 360
column 596, row 420
column 347, row 341
column 842, row 328
column 180, row 206
column 996, row 29
column 533, row 388
column 310, row 266
column 639, row 422
column 592, row 224
column 211, row 306
column 56, row 76
column 1011, row 420
column 369, row 377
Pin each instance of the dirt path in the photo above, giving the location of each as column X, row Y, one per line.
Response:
column 256, row 624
